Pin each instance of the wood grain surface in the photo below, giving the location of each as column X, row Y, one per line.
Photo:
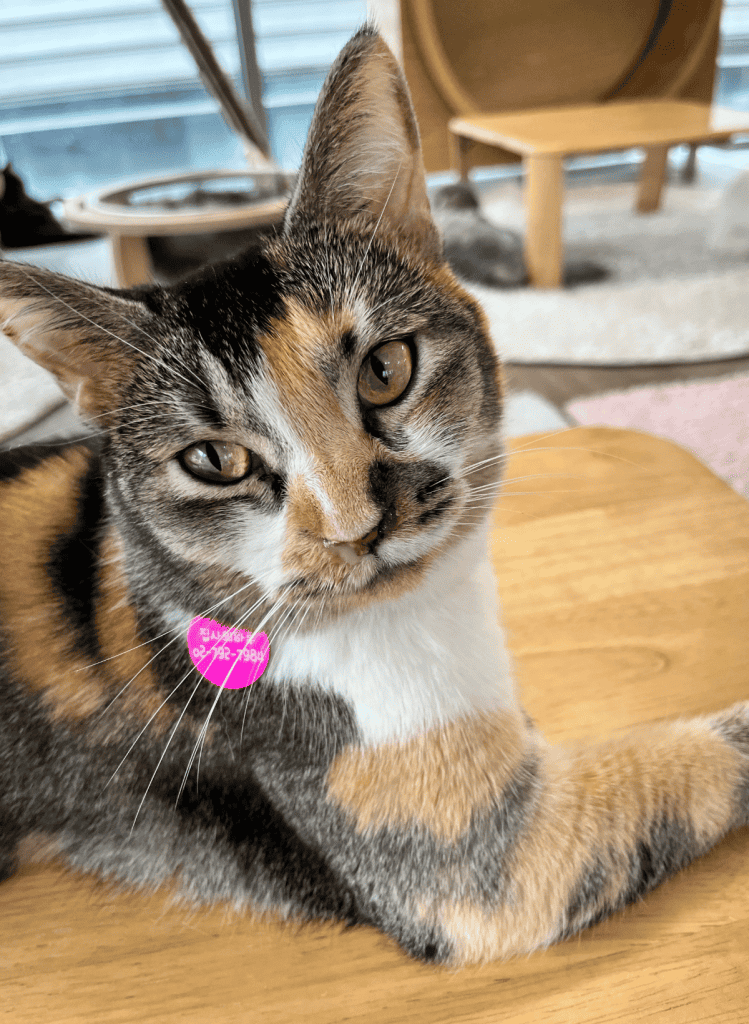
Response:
column 501, row 56
column 623, row 568
column 597, row 128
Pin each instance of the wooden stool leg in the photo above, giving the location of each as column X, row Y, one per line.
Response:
column 131, row 259
column 460, row 148
column 651, row 179
column 543, row 232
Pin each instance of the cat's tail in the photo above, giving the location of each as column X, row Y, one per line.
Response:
column 510, row 845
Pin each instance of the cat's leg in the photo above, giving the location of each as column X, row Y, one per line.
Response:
column 515, row 845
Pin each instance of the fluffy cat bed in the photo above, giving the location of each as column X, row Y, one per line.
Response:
column 670, row 297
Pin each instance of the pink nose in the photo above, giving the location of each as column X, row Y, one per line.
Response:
column 352, row 551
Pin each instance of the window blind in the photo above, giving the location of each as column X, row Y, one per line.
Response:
column 94, row 90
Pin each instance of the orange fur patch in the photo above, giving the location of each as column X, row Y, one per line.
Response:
column 117, row 629
column 341, row 451
column 438, row 780
column 596, row 798
column 38, row 507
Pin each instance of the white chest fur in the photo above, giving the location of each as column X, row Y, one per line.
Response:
column 416, row 662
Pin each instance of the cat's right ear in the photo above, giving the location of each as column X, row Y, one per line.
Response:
column 76, row 331
column 363, row 153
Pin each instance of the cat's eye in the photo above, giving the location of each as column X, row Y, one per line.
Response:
column 217, row 461
column 385, row 373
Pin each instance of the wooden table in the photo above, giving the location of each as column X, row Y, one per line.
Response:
column 625, row 585
column 545, row 137
column 111, row 211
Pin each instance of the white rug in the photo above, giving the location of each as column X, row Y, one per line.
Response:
column 669, row 298
column 525, row 412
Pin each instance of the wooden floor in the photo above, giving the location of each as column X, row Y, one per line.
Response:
column 624, row 595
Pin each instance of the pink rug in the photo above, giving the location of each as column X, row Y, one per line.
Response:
column 708, row 417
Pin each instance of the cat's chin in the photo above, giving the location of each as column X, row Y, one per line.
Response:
column 325, row 591
column 366, row 584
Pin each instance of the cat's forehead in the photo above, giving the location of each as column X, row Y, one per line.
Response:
column 285, row 328
column 330, row 266
column 308, row 304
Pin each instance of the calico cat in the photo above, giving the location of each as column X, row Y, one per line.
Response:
column 302, row 441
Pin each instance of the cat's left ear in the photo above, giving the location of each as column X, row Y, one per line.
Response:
column 76, row 331
column 363, row 153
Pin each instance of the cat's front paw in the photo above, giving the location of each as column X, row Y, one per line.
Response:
column 733, row 725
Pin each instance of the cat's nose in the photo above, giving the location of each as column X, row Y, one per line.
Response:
column 353, row 551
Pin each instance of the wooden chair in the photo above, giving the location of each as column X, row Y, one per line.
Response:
column 471, row 65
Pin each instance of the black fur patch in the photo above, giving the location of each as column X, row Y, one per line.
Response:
column 431, row 488
column 494, row 834
column 670, row 846
column 583, row 908
column 240, row 811
column 429, row 947
column 73, row 562
column 389, row 479
column 393, row 437
column 348, row 344
column 734, row 727
column 228, row 305
column 9, row 836
column 434, row 513
column 15, row 460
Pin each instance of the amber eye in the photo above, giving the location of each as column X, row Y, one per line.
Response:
column 217, row 461
column 385, row 373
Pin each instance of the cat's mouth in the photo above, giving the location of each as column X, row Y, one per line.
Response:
column 367, row 579
column 384, row 564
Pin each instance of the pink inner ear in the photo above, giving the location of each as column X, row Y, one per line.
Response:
column 76, row 331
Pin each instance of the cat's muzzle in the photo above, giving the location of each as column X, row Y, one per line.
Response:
column 352, row 552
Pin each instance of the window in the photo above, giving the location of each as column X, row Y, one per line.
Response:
column 732, row 83
column 93, row 91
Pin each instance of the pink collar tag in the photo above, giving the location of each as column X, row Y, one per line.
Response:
column 231, row 658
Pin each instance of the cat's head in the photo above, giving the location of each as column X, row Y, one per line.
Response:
column 320, row 415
